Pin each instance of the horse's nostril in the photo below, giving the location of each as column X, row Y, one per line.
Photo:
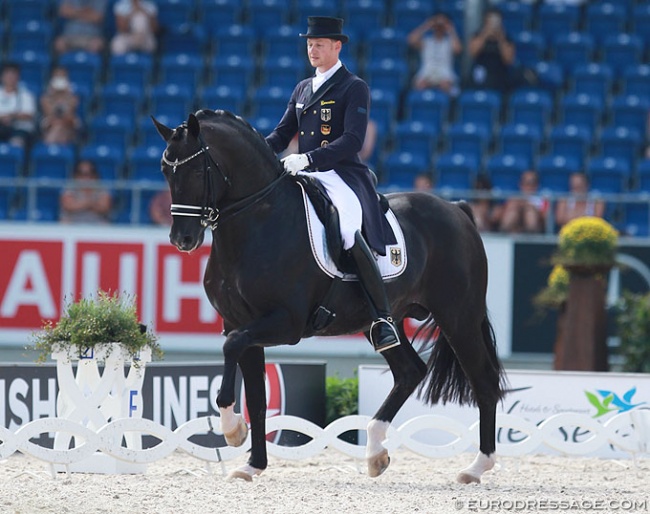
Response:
column 187, row 241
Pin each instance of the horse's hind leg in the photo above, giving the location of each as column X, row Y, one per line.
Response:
column 408, row 371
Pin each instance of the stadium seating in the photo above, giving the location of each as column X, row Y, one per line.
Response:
column 554, row 171
column 572, row 50
column 52, row 161
column 594, row 79
column 416, row 137
column 400, row 168
column 622, row 143
column 12, row 160
column 571, row 141
column 557, row 18
column 603, row 19
column 532, row 108
column 504, row 171
column 133, row 69
column 517, row 17
column 455, row 171
column 469, row 139
column 631, row 111
column 608, row 174
column 480, row 107
column 520, row 139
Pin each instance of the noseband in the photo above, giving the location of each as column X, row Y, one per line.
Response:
column 209, row 213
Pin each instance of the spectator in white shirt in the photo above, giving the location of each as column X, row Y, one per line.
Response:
column 17, row 108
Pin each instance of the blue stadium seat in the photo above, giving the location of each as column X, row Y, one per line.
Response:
column 637, row 216
column 234, row 40
column 111, row 130
column 264, row 124
column 267, row 13
column 83, row 67
column 34, row 35
column 643, row 176
column 557, row 18
column 409, row 14
column 468, row 138
column 530, row 47
column 53, row 161
column 270, row 102
column 134, row 69
column 554, row 171
column 306, row 8
column 108, row 159
column 455, row 171
column 622, row 143
column 520, row 139
column 171, row 100
column 284, row 71
column 172, row 13
column 593, row 79
column 572, row 50
column 23, row 11
column 641, row 22
column 416, row 137
column 47, row 204
column 387, row 74
column 582, row 110
column 608, row 174
column 147, row 133
column 603, row 19
column 571, row 141
column 34, row 68
column 123, row 100
column 517, row 17
column 550, row 76
column 12, row 160
column 386, row 43
column 480, row 107
column 400, row 168
column 636, row 80
column 504, row 171
column 181, row 69
column 363, row 16
column 383, row 109
column 185, row 38
column 622, row 50
column 217, row 13
column 428, row 106
column 234, row 71
column 631, row 111
column 144, row 163
column 223, row 97
column 532, row 108
column 283, row 40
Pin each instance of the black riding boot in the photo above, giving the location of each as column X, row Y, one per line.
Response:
column 383, row 334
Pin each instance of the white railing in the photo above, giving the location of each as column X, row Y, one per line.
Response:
column 628, row 432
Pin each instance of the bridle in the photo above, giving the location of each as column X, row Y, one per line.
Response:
column 210, row 215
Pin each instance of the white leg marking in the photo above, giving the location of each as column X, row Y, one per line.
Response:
column 246, row 473
column 233, row 426
column 229, row 420
column 376, row 435
column 472, row 473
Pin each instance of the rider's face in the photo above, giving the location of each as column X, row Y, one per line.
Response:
column 323, row 53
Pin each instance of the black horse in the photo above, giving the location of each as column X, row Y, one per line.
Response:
column 264, row 282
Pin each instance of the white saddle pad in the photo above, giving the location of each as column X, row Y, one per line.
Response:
column 391, row 265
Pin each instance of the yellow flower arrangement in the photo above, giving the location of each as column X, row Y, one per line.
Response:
column 587, row 241
column 556, row 290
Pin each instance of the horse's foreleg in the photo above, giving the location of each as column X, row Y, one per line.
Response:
column 408, row 371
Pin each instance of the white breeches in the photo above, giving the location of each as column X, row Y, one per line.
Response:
column 345, row 201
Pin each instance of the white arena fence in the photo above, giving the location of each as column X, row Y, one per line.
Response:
column 628, row 431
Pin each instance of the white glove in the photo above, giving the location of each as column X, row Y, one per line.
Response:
column 295, row 162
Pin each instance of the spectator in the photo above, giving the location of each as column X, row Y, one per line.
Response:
column 579, row 203
column 160, row 208
column 17, row 108
column 438, row 49
column 526, row 212
column 83, row 23
column 492, row 54
column 486, row 213
column 136, row 23
column 60, row 123
column 85, row 201
column 423, row 182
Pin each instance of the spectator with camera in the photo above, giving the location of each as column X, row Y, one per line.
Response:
column 59, row 123
column 438, row 43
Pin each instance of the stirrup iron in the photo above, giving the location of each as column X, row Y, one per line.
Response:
column 388, row 321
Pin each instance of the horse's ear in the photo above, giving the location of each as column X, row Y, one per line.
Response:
column 193, row 125
column 164, row 131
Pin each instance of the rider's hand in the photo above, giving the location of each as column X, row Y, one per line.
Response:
column 295, row 162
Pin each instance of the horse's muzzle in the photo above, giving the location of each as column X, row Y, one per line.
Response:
column 186, row 242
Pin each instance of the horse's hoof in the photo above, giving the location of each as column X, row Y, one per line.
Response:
column 237, row 436
column 466, row 478
column 378, row 464
column 245, row 473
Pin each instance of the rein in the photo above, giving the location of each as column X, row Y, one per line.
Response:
column 211, row 216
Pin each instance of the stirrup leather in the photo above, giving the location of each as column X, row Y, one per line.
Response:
column 388, row 321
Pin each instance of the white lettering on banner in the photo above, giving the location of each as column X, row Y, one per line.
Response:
column 129, row 273
column 156, row 400
column 181, row 405
column 28, row 286
column 175, row 404
column 90, row 273
column 46, row 407
column 198, row 405
column 17, row 394
column 176, row 290
column 215, row 385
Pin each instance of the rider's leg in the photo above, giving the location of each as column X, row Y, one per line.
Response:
column 382, row 333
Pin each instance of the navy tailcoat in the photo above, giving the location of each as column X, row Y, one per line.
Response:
column 331, row 126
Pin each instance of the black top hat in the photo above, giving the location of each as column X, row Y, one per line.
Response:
column 326, row 27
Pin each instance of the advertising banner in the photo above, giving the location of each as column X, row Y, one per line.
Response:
column 173, row 394
column 534, row 396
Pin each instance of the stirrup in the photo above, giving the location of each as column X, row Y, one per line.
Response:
column 382, row 347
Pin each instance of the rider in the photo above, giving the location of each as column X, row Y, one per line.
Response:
column 330, row 113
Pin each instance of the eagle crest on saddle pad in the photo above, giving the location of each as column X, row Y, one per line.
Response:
column 391, row 265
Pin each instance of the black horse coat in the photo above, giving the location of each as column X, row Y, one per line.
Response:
column 332, row 126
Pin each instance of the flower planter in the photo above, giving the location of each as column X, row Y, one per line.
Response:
column 94, row 396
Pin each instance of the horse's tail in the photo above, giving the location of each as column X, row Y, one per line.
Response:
column 445, row 379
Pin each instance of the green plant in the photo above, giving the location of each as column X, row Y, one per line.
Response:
column 556, row 290
column 633, row 326
column 587, row 241
column 342, row 397
column 91, row 322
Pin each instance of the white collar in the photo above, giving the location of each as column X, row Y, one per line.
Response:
column 320, row 78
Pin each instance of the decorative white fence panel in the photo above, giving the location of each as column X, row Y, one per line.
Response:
column 628, row 431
